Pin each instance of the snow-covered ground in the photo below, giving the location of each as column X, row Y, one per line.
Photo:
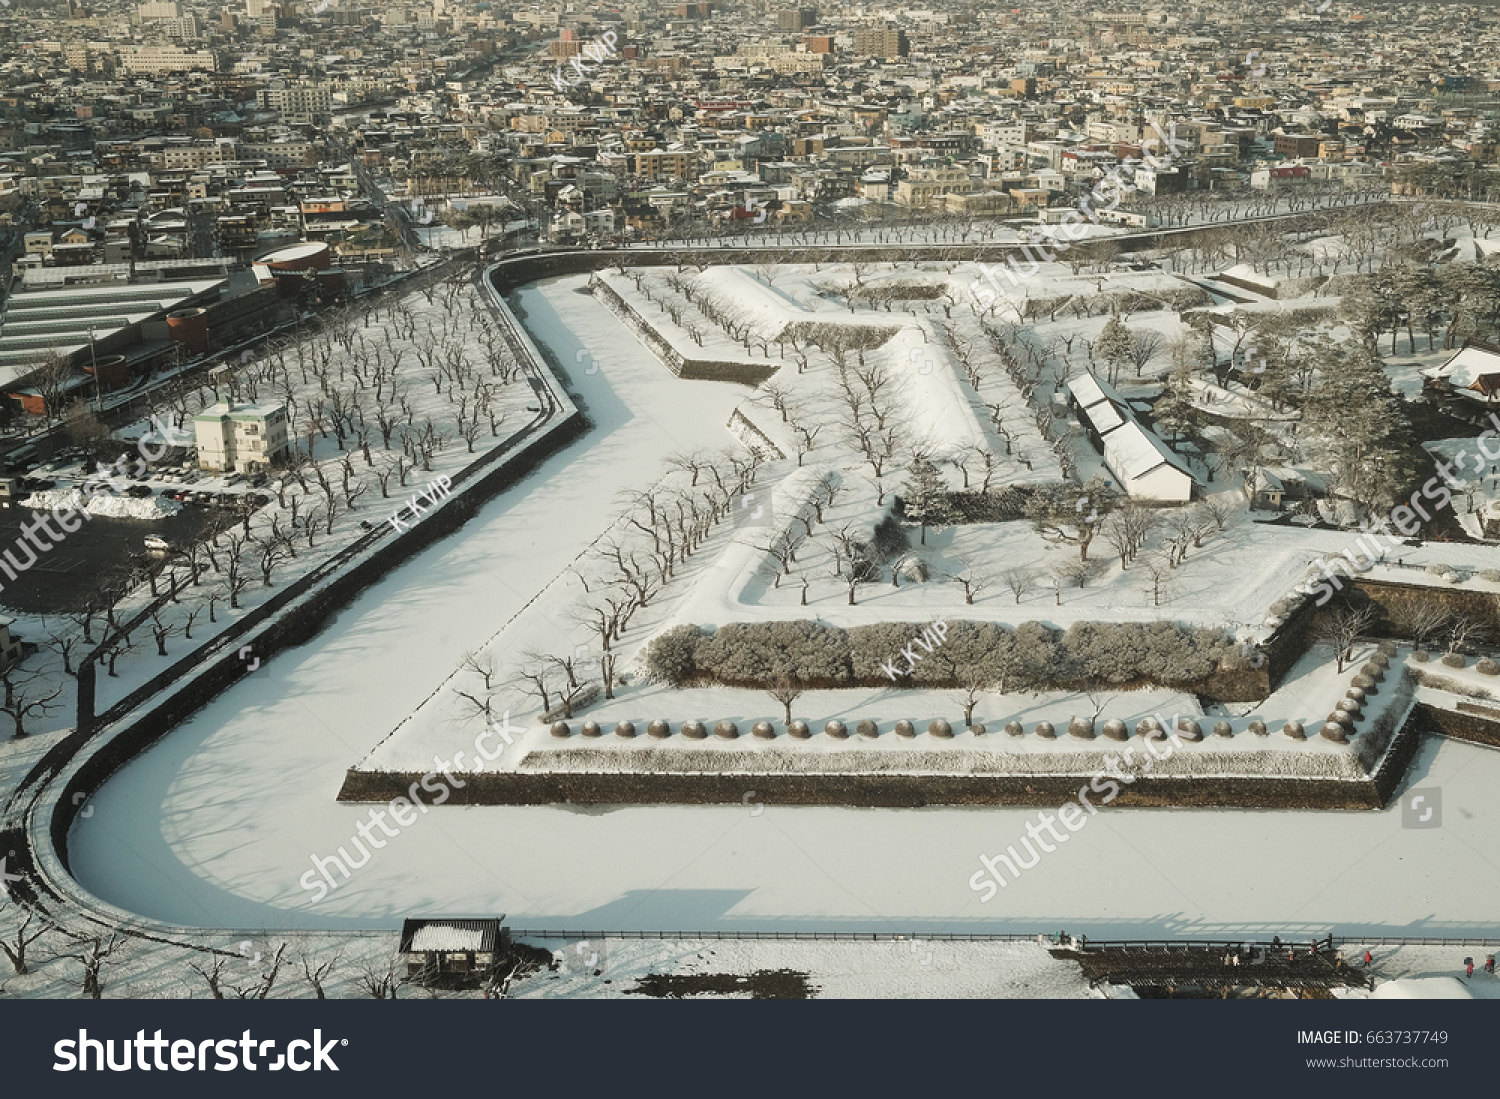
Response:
column 175, row 837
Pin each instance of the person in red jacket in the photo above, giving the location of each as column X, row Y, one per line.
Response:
column 1367, row 959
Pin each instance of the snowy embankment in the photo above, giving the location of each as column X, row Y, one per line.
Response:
column 103, row 504
column 1254, row 745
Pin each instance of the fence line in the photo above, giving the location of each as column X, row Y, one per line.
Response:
column 1046, row 938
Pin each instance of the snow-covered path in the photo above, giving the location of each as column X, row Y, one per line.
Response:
column 217, row 824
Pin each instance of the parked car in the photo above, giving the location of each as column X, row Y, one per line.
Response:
column 157, row 544
column 140, row 492
column 234, row 478
column 258, row 480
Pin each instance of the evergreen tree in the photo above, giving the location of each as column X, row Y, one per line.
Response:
column 925, row 495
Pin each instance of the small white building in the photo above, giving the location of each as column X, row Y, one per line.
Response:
column 241, row 438
column 10, row 647
column 1145, row 466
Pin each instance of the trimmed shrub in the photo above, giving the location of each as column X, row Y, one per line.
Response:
column 1486, row 666
column 1374, row 671
column 837, row 729
column 625, row 729
column 1388, row 648
column 757, row 652
column 560, row 729
column 1364, row 683
column 1453, row 660
column 940, row 729
column 1349, row 706
column 1420, row 656
column 659, row 729
column 591, row 728
column 1355, row 694
column 726, row 730
column 1223, row 728
column 763, row 730
column 1335, row 732
column 1380, row 660
column 1147, row 726
column 1492, row 575
column 694, row 730
column 1190, row 730
column 799, row 730
column 1437, row 570
column 1294, row 730
column 978, row 730
column 867, row 729
column 1015, row 728
column 1258, row 727
column 905, row 728
column 1081, row 728
column 1046, row 731
column 671, row 656
column 1115, row 729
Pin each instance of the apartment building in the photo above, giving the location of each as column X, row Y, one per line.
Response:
column 240, row 438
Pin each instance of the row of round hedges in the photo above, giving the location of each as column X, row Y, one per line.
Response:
column 1346, row 712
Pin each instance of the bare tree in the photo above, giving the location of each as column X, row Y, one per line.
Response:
column 786, row 691
column 1341, row 628
column 92, row 955
column 26, row 695
column 971, row 582
column 26, row 927
column 1020, row 582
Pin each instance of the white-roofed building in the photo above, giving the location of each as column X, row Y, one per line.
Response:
column 1144, row 465
column 1474, row 369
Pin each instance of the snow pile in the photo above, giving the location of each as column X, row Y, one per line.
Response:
column 104, row 504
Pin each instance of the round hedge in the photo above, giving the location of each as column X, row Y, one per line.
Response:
column 1335, row 732
column 940, row 729
column 837, row 729
column 591, row 728
column 1081, row 729
column 1349, row 706
column 1374, row 671
column 1115, row 729
column 694, row 730
column 977, row 730
column 726, row 730
column 1294, row 730
column 1420, row 656
column 659, row 729
column 1364, row 683
column 1380, row 660
column 625, row 729
column 1148, row 726
column 1453, row 660
column 1388, row 648
column 1015, row 728
column 1045, row 730
column 1486, row 666
column 799, row 730
column 1188, row 729
column 905, row 728
column 560, row 729
column 1355, row 694
column 763, row 730
column 1258, row 727
column 867, row 729
column 1338, row 717
column 1223, row 728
